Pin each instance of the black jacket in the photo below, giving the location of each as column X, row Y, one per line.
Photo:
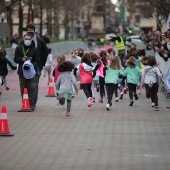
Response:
column 42, row 51
column 3, row 66
column 19, row 54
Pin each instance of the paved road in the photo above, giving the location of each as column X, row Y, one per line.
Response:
column 126, row 138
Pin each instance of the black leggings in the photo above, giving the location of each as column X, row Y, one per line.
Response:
column 102, row 83
column 111, row 89
column 151, row 92
column 132, row 89
column 87, row 90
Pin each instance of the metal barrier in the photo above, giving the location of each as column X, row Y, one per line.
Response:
column 164, row 67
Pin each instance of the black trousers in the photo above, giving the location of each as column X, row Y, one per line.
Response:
column 152, row 92
column 111, row 89
column 132, row 90
column 87, row 90
column 102, row 83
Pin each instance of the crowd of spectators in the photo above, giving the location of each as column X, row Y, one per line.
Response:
column 159, row 42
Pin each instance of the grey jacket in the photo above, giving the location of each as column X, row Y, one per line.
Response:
column 151, row 74
column 65, row 82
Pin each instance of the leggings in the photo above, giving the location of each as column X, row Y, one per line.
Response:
column 111, row 89
column 102, row 83
column 151, row 92
column 132, row 89
column 87, row 90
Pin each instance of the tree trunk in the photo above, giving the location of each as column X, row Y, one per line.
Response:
column 20, row 20
column 41, row 22
column 9, row 21
column 66, row 26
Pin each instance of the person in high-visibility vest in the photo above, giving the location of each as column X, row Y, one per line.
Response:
column 119, row 43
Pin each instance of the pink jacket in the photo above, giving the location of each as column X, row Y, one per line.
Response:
column 85, row 76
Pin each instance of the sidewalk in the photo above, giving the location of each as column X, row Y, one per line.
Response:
column 125, row 138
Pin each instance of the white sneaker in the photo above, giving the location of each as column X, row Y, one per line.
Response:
column 89, row 101
column 153, row 105
column 108, row 107
column 117, row 99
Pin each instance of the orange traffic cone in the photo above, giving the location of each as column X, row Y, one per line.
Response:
column 51, row 89
column 4, row 129
column 25, row 102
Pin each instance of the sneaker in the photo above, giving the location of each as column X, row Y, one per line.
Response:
column 0, row 93
column 73, row 95
column 110, row 104
column 153, row 104
column 156, row 108
column 117, row 99
column 125, row 90
column 6, row 87
column 121, row 96
column 131, row 103
column 93, row 99
column 68, row 114
column 136, row 97
column 97, row 88
column 100, row 100
column 89, row 101
column 108, row 107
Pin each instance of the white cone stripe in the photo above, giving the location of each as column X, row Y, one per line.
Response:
column 25, row 96
column 3, row 116
column 51, row 84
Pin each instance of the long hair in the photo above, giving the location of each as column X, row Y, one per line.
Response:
column 86, row 59
column 115, row 63
column 131, row 62
column 103, row 56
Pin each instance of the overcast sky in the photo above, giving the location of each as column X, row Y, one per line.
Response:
column 114, row 1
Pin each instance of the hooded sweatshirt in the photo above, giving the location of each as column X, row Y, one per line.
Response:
column 151, row 73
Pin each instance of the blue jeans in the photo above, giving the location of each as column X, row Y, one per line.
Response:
column 38, row 74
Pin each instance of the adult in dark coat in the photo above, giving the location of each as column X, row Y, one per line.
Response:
column 43, row 53
column 24, row 52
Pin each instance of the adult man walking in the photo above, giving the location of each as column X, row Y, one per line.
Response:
column 43, row 53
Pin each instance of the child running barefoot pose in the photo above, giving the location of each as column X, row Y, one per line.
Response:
column 64, row 84
column 86, row 77
column 111, row 74
column 133, row 74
